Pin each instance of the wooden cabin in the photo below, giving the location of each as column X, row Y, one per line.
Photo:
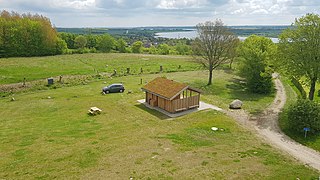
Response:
column 170, row 95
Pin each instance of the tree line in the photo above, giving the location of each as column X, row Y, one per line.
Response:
column 28, row 35
column 77, row 43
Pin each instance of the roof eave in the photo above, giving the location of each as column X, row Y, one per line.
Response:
column 155, row 94
column 179, row 93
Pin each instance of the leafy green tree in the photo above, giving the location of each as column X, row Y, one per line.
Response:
column 163, row 49
column 256, row 52
column 121, row 45
column 61, row 47
column 152, row 50
column 69, row 39
column 136, row 47
column 183, row 49
column 106, row 43
column 213, row 45
column 26, row 35
column 91, row 41
column 299, row 49
column 80, row 42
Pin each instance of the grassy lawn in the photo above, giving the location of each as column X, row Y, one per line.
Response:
column 13, row 70
column 46, row 138
column 310, row 141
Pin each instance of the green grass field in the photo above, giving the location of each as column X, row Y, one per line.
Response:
column 47, row 138
column 14, row 70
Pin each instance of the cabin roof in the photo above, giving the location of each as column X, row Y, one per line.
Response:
column 165, row 88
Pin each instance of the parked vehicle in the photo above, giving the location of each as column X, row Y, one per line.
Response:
column 113, row 88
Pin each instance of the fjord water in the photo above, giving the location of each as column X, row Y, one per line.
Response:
column 193, row 34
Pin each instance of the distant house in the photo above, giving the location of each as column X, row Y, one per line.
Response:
column 170, row 95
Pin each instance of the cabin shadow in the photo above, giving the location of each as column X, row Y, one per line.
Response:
column 153, row 112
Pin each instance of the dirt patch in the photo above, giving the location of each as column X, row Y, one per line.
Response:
column 68, row 80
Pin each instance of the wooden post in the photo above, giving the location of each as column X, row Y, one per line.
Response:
column 140, row 80
column 60, row 78
column 24, row 82
column 128, row 70
column 161, row 68
column 141, row 70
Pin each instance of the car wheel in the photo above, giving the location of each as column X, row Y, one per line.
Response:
column 121, row 90
column 107, row 92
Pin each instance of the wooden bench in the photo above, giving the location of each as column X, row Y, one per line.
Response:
column 94, row 111
column 182, row 109
column 194, row 106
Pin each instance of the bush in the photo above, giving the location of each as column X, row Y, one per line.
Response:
column 304, row 113
column 261, row 84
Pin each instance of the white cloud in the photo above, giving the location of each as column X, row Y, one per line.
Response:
column 74, row 4
column 163, row 12
column 180, row 4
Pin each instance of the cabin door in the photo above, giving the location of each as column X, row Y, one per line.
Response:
column 153, row 100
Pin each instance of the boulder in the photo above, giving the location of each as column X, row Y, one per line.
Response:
column 236, row 104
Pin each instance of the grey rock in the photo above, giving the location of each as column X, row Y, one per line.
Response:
column 236, row 104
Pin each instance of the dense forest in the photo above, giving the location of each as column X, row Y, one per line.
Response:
column 28, row 35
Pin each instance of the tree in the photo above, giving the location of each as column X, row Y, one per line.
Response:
column 256, row 52
column 299, row 50
column 136, row 47
column 69, row 39
column 163, row 49
column 91, row 41
column 213, row 45
column 106, row 43
column 183, row 49
column 233, row 53
column 80, row 42
column 61, row 46
column 121, row 45
column 26, row 35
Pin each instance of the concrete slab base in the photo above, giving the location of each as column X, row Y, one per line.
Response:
column 202, row 106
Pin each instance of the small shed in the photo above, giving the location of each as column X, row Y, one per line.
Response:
column 170, row 95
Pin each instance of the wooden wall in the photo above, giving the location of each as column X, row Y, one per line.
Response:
column 191, row 100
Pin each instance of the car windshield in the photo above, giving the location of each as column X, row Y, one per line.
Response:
column 114, row 85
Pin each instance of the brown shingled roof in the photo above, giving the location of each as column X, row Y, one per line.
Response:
column 166, row 88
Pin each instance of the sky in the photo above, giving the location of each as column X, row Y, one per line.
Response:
column 137, row 13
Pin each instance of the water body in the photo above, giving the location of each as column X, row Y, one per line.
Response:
column 192, row 35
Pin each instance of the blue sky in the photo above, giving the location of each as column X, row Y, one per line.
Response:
column 133, row 13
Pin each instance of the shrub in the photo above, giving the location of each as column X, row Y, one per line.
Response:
column 261, row 84
column 304, row 113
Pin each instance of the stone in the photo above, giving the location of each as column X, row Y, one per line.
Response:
column 236, row 104
column 214, row 129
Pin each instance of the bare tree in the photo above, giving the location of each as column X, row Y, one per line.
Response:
column 214, row 45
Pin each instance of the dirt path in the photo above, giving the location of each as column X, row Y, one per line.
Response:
column 266, row 125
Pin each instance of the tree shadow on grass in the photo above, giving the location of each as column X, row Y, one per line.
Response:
column 208, row 89
column 238, row 90
column 153, row 112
